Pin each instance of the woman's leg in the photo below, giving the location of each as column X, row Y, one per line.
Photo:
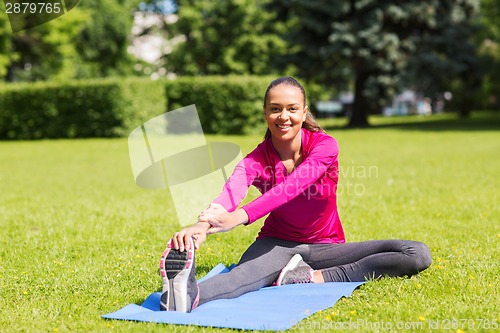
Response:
column 258, row 267
column 371, row 259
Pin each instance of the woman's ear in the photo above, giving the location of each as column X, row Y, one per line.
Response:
column 306, row 110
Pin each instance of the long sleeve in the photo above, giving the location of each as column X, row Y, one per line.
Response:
column 236, row 187
column 323, row 155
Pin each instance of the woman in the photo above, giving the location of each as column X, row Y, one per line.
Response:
column 302, row 240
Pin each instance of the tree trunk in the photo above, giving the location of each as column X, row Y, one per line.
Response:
column 11, row 77
column 467, row 100
column 360, row 106
column 464, row 109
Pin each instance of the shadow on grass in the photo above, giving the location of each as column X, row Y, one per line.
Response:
column 479, row 121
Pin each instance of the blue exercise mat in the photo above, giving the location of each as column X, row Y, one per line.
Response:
column 270, row 308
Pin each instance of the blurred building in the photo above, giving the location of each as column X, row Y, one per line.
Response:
column 409, row 103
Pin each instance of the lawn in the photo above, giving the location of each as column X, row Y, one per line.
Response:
column 79, row 239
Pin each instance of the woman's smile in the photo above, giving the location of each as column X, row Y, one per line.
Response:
column 284, row 127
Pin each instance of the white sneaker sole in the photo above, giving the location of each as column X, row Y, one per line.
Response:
column 175, row 268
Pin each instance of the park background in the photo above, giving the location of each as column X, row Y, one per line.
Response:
column 80, row 239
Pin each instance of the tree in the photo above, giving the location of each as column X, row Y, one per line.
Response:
column 5, row 42
column 370, row 41
column 40, row 52
column 225, row 37
column 488, row 40
column 443, row 64
column 90, row 40
column 103, row 40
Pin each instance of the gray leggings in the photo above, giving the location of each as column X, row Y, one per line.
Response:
column 262, row 262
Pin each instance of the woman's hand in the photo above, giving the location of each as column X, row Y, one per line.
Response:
column 220, row 220
column 181, row 240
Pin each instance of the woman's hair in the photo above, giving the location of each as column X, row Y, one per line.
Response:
column 310, row 123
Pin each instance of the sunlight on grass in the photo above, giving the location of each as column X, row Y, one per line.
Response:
column 80, row 239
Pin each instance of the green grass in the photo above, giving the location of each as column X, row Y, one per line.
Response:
column 79, row 239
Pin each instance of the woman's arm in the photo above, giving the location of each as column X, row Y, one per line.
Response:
column 222, row 212
column 236, row 187
column 222, row 220
column 213, row 220
column 323, row 155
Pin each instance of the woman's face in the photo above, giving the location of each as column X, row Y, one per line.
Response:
column 285, row 111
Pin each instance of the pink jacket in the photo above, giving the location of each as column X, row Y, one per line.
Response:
column 302, row 204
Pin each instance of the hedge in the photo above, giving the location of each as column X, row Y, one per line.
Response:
column 113, row 107
column 225, row 104
column 77, row 109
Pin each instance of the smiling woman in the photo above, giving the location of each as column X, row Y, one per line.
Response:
column 302, row 240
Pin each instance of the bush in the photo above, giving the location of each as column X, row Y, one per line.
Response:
column 113, row 107
column 144, row 100
column 225, row 104
column 76, row 109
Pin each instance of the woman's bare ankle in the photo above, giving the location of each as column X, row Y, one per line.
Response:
column 317, row 277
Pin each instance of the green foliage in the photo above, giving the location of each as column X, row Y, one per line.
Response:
column 89, row 41
column 55, row 110
column 103, row 40
column 368, row 42
column 5, row 41
column 143, row 99
column 225, row 104
column 441, row 64
column 226, row 37
column 488, row 40
column 113, row 107
column 43, row 51
column 90, row 108
column 489, row 19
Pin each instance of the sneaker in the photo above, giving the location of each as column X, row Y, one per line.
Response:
column 180, row 290
column 296, row 271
